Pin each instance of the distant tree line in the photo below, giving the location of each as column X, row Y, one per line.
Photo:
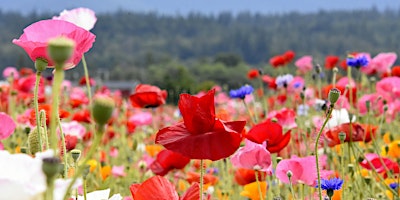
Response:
column 186, row 53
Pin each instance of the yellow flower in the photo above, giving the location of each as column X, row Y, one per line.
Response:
column 251, row 190
column 394, row 149
column 93, row 164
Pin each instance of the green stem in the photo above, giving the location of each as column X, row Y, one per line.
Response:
column 85, row 68
column 50, row 190
column 42, row 116
column 316, row 150
column 36, row 105
column 291, row 188
column 258, row 186
column 65, row 157
column 201, row 178
column 84, row 189
column 92, row 149
column 58, row 78
column 253, row 118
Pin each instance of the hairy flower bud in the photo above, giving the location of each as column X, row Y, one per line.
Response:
column 40, row 64
column 33, row 140
column 60, row 49
column 102, row 109
column 334, row 95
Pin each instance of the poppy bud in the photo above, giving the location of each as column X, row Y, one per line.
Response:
column 289, row 174
column 368, row 105
column 76, row 154
column 40, row 64
column 24, row 150
column 342, row 136
column 335, row 70
column 33, row 140
column 60, row 49
column 102, row 109
column 334, row 95
column 51, row 167
column 350, row 168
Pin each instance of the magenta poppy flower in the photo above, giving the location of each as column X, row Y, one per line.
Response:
column 303, row 170
column 10, row 71
column 304, row 64
column 82, row 17
column 252, row 156
column 36, row 36
column 389, row 86
column 7, row 126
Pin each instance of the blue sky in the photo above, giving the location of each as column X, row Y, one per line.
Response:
column 172, row 7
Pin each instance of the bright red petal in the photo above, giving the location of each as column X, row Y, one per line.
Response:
column 282, row 143
column 198, row 113
column 167, row 160
column 193, row 193
column 220, row 142
column 156, row 188
column 266, row 131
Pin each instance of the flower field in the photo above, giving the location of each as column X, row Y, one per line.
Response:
column 306, row 131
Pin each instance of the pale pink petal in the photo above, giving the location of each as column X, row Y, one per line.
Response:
column 7, row 126
column 118, row 171
column 82, row 17
column 141, row 118
column 252, row 156
column 284, row 166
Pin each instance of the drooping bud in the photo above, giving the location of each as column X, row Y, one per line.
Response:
column 33, row 140
column 334, row 95
column 335, row 70
column 51, row 167
column 60, row 49
column 40, row 64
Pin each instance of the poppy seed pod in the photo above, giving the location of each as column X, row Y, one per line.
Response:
column 51, row 167
column 334, row 95
column 40, row 64
column 33, row 140
column 60, row 49
column 102, row 109
column 75, row 154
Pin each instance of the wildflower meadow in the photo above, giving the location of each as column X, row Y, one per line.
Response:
column 308, row 130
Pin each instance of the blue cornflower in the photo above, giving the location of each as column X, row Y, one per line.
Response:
column 394, row 185
column 358, row 61
column 241, row 92
column 331, row 184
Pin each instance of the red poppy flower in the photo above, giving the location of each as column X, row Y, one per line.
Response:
column 70, row 142
column 289, row 56
column 158, row 187
column 277, row 61
column 331, row 61
column 396, row 71
column 193, row 177
column 377, row 164
column 148, row 96
column 245, row 176
column 359, row 132
column 26, row 71
column 201, row 134
column 168, row 160
column 270, row 81
column 82, row 116
column 253, row 73
column 47, row 108
column 82, row 81
column 270, row 132
column 343, row 64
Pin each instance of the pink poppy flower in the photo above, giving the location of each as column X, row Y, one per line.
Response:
column 118, row 171
column 344, row 81
column 286, row 117
column 252, row 156
column 113, row 152
column 141, row 119
column 7, row 126
column 389, row 86
column 36, row 36
column 376, row 103
column 304, row 64
column 82, row 17
column 296, row 85
column 10, row 71
column 303, row 170
column 380, row 64
column 73, row 128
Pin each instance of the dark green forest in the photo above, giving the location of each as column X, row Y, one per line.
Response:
column 198, row 50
